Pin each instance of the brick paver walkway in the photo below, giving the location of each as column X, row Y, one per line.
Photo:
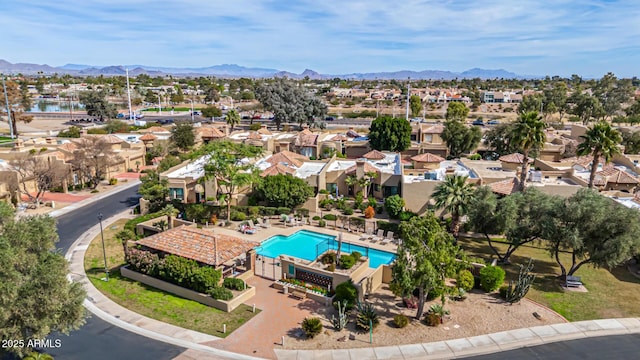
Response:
column 280, row 316
column 127, row 175
column 60, row 197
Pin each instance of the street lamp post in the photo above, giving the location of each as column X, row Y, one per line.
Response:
column 104, row 251
column 159, row 105
column 191, row 109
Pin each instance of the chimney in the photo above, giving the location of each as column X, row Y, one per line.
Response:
column 49, row 141
column 360, row 168
column 263, row 126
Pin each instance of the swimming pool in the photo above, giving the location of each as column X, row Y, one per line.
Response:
column 306, row 244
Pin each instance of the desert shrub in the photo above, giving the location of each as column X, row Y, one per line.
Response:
column 254, row 127
column 347, row 261
column 220, row 293
column 328, row 258
column 238, row 216
column 326, row 204
column 356, row 255
column 432, row 319
column 113, row 181
column 311, row 327
column 322, row 223
column 503, row 291
column 406, row 215
column 369, row 212
column 491, row 278
column 475, row 157
column 331, row 267
column 302, row 212
column 330, row 217
column 348, row 211
column 316, row 218
column 435, row 293
column 233, row 284
column 366, row 316
column 346, row 293
column 401, row 320
column 95, row 191
column 465, row 280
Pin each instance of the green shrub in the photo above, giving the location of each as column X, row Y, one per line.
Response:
column 187, row 273
column 432, row 319
column 328, row 258
column 269, row 211
column 435, row 293
column 233, row 284
column 356, row 255
column 316, row 218
column 491, row 278
column 331, row 267
column 475, row 157
column 347, row 294
column 326, row 204
column 465, row 280
column 284, row 211
column 220, row 293
column 503, row 291
column 330, row 217
column 401, row 321
column 388, row 226
column 131, row 224
column 348, row 211
column 322, row 223
column 113, row 181
column 95, row 191
column 238, row 216
column 254, row 127
column 406, row 215
column 312, row 327
column 394, row 205
column 347, row 261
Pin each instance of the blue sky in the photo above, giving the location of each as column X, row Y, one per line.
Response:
column 531, row 37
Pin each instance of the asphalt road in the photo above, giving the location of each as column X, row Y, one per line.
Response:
column 97, row 339
column 602, row 348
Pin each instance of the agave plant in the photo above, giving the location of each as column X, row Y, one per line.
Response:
column 366, row 317
column 439, row 310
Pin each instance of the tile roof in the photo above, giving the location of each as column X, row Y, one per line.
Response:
column 200, row 245
column 264, row 131
column 515, row 158
column 148, row 137
column 505, row 187
column 156, row 129
column 367, row 168
column 427, row 158
column 617, row 176
column 304, row 139
column 583, row 161
column 254, row 136
column 374, row 155
column 352, row 134
column 70, row 147
column 210, row 132
column 339, row 137
column 433, row 129
column 287, row 157
column 277, row 169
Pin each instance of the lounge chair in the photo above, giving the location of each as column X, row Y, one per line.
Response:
column 573, row 281
column 265, row 223
column 246, row 229
column 252, row 225
column 302, row 221
column 379, row 236
column 367, row 236
column 389, row 238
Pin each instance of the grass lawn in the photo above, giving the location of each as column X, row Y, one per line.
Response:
column 612, row 294
column 149, row 301
column 4, row 139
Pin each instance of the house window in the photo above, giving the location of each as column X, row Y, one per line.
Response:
column 427, row 138
column 413, row 137
column 332, row 187
column 431, row 176
column 389, row 190
column 376, row 187
column 176, row 193
column 292, row 269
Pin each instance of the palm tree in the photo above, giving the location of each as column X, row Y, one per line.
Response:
column 600, row 141
column 366, row 180
column 527, row 134
column 351, row 182
column 232, row 118
column 454, row 195
column 170, row 212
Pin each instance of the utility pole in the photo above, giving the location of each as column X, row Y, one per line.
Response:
column 408, row 96
column 6, row 99
column 129, row 96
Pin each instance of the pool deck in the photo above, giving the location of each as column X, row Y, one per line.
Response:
column 279, row 229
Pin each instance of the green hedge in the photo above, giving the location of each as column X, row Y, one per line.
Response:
column 220, row 293
column 131, row 224
column 330, row 217
column 233, row 284
column 388, row 226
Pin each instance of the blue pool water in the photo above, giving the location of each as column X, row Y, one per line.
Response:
column 306, row 245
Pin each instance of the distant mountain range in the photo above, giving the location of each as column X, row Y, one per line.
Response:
column 235, row 71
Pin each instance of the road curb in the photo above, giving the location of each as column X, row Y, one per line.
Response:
column 67, row 209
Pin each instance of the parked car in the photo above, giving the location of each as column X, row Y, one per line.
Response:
column 329, row 118
column 478, row 122
column 165, row 121
column 120, row 116
column 493, row 122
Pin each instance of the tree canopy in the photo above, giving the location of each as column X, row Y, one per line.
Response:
column 96, row 104
column 460, row 138
column 415, row 103
column 457, row 111
column 390, row 134
column 283, row 191
column 454, row 195
column 183, row 136
column 154, row 190
column 527, row 134
column 290, row 103
column 36, row 298
column 426, row 257
column 599, row 141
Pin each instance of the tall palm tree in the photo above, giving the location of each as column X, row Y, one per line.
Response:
column 600, row 141
column 351, row 182
column 232, row 118
column 527, row 134
column 366, row 180
column 454, row 195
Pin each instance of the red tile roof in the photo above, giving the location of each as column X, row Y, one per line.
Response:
column 306, row 139
column 210, row 132
column 287, row 157
column 339, row 137
column 155, row 129
column 374, row 155
column 505, row 187
column 427, row 158
column 515, row 158
column 148, row 137
column 367, row 168
column 254, row 136
column 200, row 245
column 617, row 176
column 277, row 169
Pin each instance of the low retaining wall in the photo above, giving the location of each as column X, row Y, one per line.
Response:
column 310, row 294
column 227, row 306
